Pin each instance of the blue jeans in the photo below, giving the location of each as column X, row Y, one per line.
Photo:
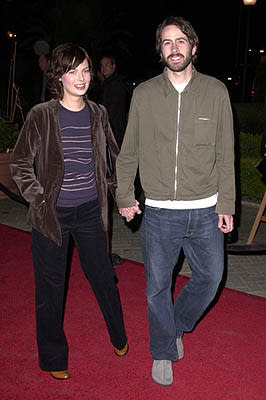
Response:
column 163, row 234
column 84, row 224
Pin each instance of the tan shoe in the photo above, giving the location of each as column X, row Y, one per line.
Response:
column 121, row 352
column 61, row 375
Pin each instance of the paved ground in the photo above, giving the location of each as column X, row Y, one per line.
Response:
column 242, row 272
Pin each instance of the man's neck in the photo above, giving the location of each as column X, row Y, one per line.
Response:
column 180, row 77
column 109, row 76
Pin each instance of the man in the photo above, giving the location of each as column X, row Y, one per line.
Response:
column 180, row 134
column 44, row 66
column 41, row 93
column 114, row 97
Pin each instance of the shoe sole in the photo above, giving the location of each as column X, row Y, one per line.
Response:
column 60, row 379
column 123, row 354
column 162, row 384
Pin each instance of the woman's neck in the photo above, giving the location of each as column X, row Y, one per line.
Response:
column 73, row 104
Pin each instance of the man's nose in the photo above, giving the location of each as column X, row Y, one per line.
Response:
column 175, row 48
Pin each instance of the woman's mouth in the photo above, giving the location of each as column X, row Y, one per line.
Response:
column 81, row 86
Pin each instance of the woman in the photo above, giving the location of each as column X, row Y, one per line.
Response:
column 59, row 165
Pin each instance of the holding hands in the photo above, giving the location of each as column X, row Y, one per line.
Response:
column 129, row 212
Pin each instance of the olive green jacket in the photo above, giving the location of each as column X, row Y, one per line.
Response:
column 189, row 160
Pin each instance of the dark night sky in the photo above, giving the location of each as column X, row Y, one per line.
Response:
column 215, row 21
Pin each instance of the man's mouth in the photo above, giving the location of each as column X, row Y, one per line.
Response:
column 175, row 57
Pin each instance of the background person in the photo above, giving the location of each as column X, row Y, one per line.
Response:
column 114, row 97
column 40, row 90
column 180, row 134
column 59, row 165
column 44, row 66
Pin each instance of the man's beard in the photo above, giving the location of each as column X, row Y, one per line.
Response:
column 181, row 66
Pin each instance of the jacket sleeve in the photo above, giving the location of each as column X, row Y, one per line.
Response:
column 127, row 161
column 225, row 159
column 113, row 148
column 22, row 161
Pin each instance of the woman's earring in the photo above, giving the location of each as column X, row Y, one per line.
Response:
column 60, row 80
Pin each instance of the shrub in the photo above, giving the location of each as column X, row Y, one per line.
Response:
column 251, row 117
column 251, row 182
column 250, row 178
column 249, row 145
column 8, row 135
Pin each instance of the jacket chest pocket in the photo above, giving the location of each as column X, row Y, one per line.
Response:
column 204, row 132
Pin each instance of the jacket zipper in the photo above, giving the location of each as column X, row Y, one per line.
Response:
column 176, row 146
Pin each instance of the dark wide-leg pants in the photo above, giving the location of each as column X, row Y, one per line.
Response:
column 84, row 224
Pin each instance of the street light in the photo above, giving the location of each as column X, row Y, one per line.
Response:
column 13, row 100
column 249, row 2
column 10, row 95
column 246, row 3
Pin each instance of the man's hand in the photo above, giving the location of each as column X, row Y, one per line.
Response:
column 225, row 223
column 129, row 213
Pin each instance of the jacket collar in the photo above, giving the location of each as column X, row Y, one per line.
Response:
column 53, row 104
column 192, row 85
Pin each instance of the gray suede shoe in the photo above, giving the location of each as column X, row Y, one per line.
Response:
column 180, row 348
column 162, row 372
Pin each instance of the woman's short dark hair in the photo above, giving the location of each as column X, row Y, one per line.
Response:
column 185, row 27
column 64, row 57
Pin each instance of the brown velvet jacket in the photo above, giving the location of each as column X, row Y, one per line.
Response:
column 37, row 164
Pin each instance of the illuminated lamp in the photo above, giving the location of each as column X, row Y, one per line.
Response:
column 249, row 2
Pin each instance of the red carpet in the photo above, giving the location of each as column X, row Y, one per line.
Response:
column 225, row 357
